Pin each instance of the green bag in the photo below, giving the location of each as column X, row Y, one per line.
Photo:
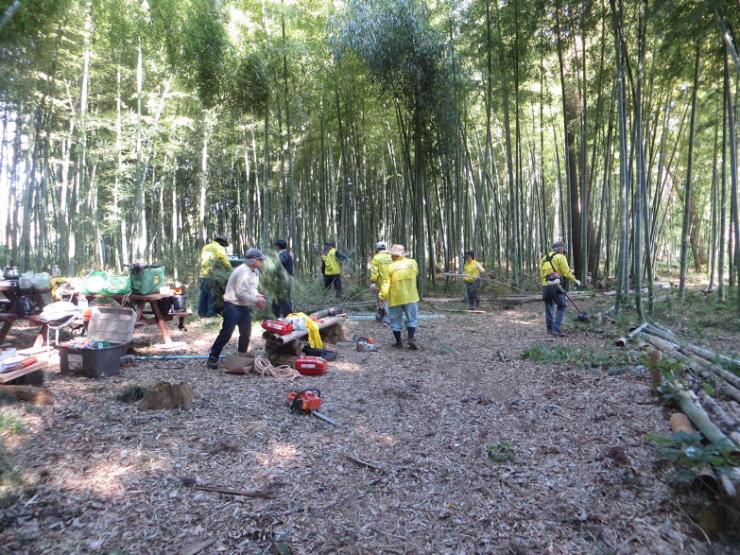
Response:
column 117, row 285
column 146, row 280
column 94, row 283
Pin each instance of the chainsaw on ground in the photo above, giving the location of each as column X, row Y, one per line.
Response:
column 308, row 401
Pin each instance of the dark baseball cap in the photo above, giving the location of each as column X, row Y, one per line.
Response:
column 254, row 254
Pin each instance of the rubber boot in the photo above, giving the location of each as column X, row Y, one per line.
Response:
column 412, row 341
column 399, row 343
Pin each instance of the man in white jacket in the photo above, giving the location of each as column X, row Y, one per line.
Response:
column 240, row 297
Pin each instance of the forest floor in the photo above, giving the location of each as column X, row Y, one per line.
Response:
column 492, row 438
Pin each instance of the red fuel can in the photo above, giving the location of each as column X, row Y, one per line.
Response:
column 278, row 327
column 311, row 366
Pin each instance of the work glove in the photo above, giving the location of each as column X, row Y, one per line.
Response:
column 373, row 287
column 578, row 283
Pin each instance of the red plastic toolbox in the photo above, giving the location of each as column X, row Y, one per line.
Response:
column 311, row 366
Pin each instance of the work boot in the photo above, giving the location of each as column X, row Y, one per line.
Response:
column 412, row 341
column 212, row 363
column 399, row 343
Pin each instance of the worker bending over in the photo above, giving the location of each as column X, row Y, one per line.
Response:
column 554, row 271
column 399, row 290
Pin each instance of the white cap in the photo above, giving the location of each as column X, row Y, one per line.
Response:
column 380, row 245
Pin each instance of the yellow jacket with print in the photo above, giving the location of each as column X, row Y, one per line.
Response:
column 332, row 267
column 399, row 285
column 379, row 267
column 559, row 265
column 213, row 256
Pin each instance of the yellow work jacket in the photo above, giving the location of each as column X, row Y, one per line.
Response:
column 559, row 265
column 399, row 285
column 472, row 270
column 213, row 256
column 332, row 267
column 379, row 267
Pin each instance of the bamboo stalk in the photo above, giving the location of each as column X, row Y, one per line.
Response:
column 701, row 419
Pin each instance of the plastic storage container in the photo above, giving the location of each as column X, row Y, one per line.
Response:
column 114, row 324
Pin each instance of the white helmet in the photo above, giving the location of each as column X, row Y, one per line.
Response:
column 380, row 245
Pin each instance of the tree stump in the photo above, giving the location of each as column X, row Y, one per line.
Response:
column 166, row 396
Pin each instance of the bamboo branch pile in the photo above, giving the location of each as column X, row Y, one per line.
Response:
column 717, row 415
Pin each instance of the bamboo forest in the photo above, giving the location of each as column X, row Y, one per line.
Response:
column 135, row 130
column 491, row 246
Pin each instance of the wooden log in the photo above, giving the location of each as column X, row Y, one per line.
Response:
column 703, row 367
column 292, row 348
column 727, row 423
column 705, row 475
column 28, row 393
column 681, row 423
column 700, row 419
column 707, row 354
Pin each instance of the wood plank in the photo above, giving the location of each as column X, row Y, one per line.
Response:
column 15, row 374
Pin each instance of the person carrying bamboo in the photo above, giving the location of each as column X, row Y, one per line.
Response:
column 472, row 269
column 400, row 291
column 331, row 267
column 282, row 306
column 378, row 268
column 554, row 274
column 214, row 271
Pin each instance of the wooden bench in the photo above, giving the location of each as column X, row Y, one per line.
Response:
column 37, row 366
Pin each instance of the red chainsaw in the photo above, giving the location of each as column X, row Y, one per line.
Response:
column 308, row 401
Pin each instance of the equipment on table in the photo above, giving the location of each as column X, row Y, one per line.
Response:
column 310, row 365
column 146, row 279
column 117, row 285
column 11, row 272
column 94, row 283
column 278, row 327
column 308, row 401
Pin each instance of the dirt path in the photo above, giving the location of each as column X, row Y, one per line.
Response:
column 573, row 471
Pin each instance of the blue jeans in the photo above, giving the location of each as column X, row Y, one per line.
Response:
column 553, row 297
column 206, row 300
column 234, row 315
column 396, row 314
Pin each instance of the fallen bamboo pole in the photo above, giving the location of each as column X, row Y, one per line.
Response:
column 726, row 386
column 726, row 422
column 701, row 420
column 707, row 354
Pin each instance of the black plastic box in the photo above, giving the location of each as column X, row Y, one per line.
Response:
column 92, row 363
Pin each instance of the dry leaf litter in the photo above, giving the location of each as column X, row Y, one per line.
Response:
column 406, row 470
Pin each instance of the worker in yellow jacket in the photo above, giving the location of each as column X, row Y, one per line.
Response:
column 554, row 271
column 399, row 290
column 472, row 269
column 378, row 268
column 331, row 267
column 215, row 269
